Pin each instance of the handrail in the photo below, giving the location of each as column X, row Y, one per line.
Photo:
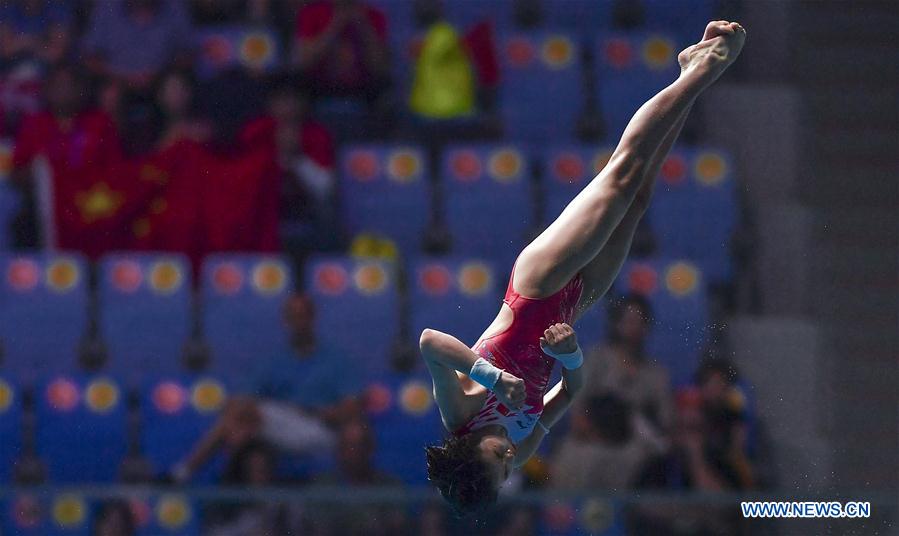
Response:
column 419, row 494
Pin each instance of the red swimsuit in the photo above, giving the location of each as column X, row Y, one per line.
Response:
column 517, row 351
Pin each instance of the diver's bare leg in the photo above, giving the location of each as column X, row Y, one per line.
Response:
column 571, row 242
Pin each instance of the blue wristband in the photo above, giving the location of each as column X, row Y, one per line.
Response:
column 484, row 373
column 570, row 361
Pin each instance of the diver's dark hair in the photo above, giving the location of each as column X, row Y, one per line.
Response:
column 462, row 477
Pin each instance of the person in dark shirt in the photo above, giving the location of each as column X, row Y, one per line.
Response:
column 355, row 467
column 341, row 47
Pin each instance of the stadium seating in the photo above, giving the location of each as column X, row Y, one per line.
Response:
column 10, row 427
column 399, row 13
column 466, row 14
column 566, row 171
column 43, row 313
column 234, row 46
column 357, row 308
column 81, row 427
column 456, row 296
column 175, row 412
column 541, row 97
column 167, row 515
column 380, row 182
column 597, row 516
column 631, row 68
column 242, row 297
column 488, row 202
column 64, row 514
column 677, row 294
column 584, row 17
column 71, row 514
column 145, row 312
column 405, row 419
column 686, row 18
column 693, row 212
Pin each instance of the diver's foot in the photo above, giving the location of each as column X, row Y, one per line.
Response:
column 721, row 44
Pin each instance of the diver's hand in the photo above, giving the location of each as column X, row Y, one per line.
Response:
column 510, row 390
column 559, row 339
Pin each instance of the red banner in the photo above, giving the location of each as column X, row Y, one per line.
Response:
column 184, row 197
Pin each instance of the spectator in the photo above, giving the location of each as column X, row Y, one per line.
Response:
column 709, row 454
column 341, row 48
column 355, row 459
column 177, row 109
column 307, row 162
column 74, row 140
column 134, row 40
column 35, row 30
column 355, row 467
column 34, row 34
column 252, row 466
column 607, row 452
column 294, row 401
column 455, row 74
column 622, row 367
column 710, row 435
column 114, row 518
column 724, row 416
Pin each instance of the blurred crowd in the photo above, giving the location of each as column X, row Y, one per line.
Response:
column 630, row 431
column 211, row 125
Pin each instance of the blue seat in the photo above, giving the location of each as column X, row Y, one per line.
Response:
column 567, row 169
column 405, row 419
column 81, row 427
column 175, row 412
column 488, row 201
column 10, row 427
column 242, row 298
column 694, row 210
column 406, row 46
column 145, row 312
column 378, row 184
column 168, row 515
column 685, row 19
column 676, row 291
column 716, row 212
column 541, row 96
column 399, row 13
column 595, row 515
column 357, row 308
column 670, row 213
column 465, row 14
column 43, row 313
column 226, row 47
column 631, row 68
column 61, row 514
column 456, row 295
column 583, row 17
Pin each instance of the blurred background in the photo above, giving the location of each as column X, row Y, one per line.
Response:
column 224, row 223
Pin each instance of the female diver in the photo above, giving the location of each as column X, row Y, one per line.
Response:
column 493, row 396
